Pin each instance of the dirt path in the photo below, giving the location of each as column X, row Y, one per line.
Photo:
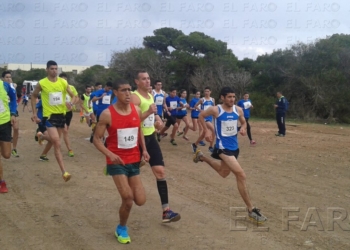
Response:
column 309, row 168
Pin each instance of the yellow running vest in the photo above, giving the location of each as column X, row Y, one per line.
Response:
column 68, row 98
column 86, row 102
column 53, row 96
column 148, row 124
column 4, row 105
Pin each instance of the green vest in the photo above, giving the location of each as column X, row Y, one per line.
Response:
column 148, row 124
column 4, row 105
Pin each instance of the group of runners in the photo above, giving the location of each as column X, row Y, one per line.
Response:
column 133, row 121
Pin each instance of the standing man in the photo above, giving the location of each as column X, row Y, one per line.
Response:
column 7, row 118
column 123, row 123
column 246, row 105
column 7, row 77
column 53, row 95
column 281, row 107
column 226, row 148
column 144, row 100
column 69, row 114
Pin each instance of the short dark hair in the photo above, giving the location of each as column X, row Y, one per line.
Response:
column 63, row 75
column 5, row 73
column 157, row 81
column 98, row 83
column 51, row 63
column 137, row 72
column 182, row 90
column 87, row 86
column 109, row 84
column 207, row 88
column 226, row 90
column 118, row 83
column 172, row 89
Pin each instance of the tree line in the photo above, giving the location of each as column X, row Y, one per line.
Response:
column 314, row 77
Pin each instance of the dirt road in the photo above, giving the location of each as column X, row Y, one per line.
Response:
column 307, row 172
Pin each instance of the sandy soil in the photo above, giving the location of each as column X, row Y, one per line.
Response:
column 308, row 171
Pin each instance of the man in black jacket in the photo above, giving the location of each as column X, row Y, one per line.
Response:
column 281, row 107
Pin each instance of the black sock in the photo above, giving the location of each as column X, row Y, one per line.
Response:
column 163, row 192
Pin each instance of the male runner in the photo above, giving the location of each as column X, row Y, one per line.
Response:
column 226, row 148
column 69, row 114
column 144, row 100
column 87, row 110
column 246, row 105
column 122, row 121
column 53, row 95
column 7, row 118
column 98, row 86
column 7, row 77
column 205, row 103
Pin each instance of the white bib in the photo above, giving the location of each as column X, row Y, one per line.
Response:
column 127, row 137
column 2, row 107
column 55, row 98
column 229, row 128
column 206, row 107
column 173, row 104
column 149, row 121
column 106, row 99
column 159, row 100
column 247, row 105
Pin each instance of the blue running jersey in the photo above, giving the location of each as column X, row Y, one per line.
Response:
column 158, row 100
column 226, row 129
column 205, row 105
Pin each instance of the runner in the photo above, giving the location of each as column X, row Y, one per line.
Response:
column 25, row 102
column 246, row 105
column 69, row 114
column 53, row 94
column 182, row 114
column 195, row 114
column 7, row 77
column 98, row 86
column 226, row 147
column 172, row 106
column 103, row 96
column 122, row 121
column 144, row 100
column 7, row 118
column 87, row 110
column 205, row 103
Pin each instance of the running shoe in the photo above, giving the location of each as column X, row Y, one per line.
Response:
column 70, row 153
column 194, row 147
column 121, row 232
column 14, row 153
column 66, row 176
column 280, row 135
column 211, row 149
column 163, row 135
column 43, row 158
column 173, row 142
column 256, row 216
column 252, row 143
column 40, row 140
column 179, row 133
column 197, row 156
column 170, row 216
column 3, row 188
column 202, row 143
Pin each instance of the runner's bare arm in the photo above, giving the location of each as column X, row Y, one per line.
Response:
column 137, row 102
column 198, row 103
column 211, row 111
column 35, row 95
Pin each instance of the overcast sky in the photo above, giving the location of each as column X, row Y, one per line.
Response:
column 86, row 32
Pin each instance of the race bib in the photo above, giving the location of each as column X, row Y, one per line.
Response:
column 106, row 99
column 149, row 121
column 2, row 107
column 127, row 137
column 159, row 100
column 228, row 128
column 55, row 98
column 173, row 104
column 247, row 105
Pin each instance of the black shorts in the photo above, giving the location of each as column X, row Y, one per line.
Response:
column 171, row 120
column 97, row 118
column 69, row 116
column 180, row 117
column 194, row 117
column 153, row 149
column 5, row 132
column 228, row 152
column 41, row 127
column 55, row 120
